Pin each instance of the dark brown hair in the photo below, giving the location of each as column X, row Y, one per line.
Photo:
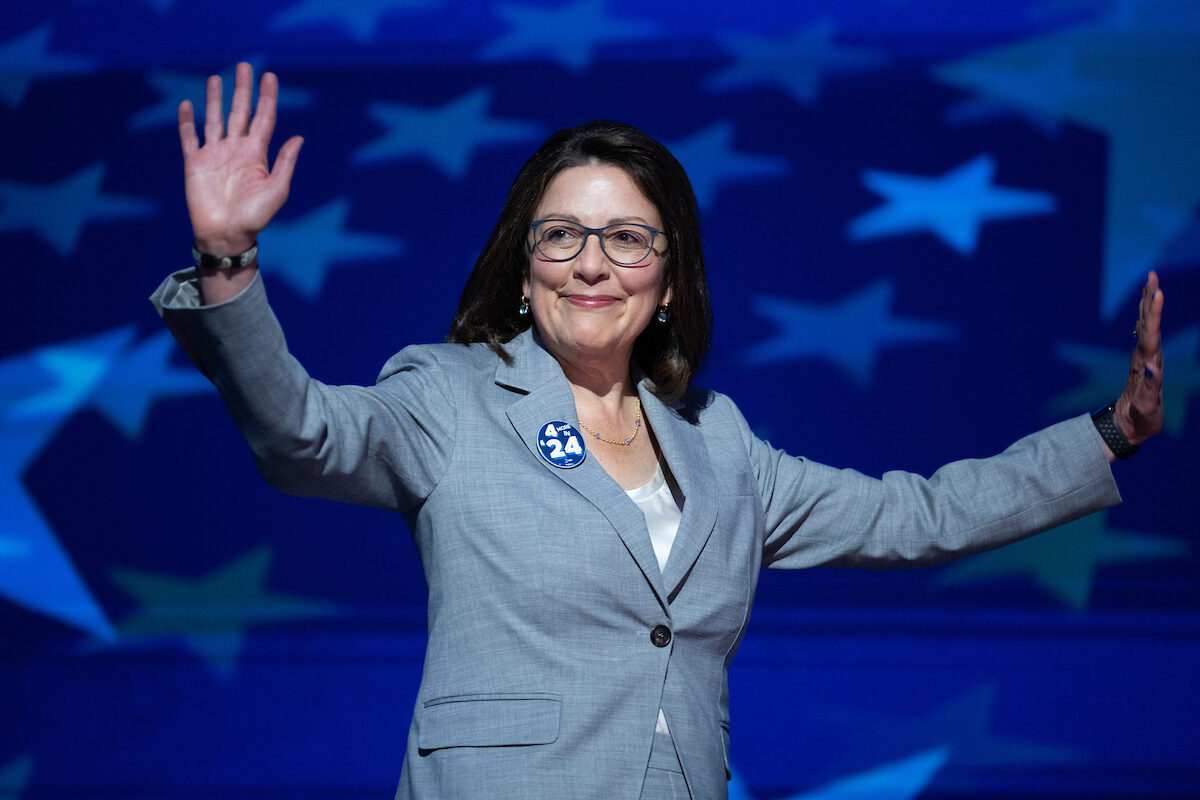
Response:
column 670, row 354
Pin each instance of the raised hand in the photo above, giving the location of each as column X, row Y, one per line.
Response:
column 1139, row 409
column 232, row 193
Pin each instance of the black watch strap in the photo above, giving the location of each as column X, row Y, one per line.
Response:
column 209, row 261
column 1106, row 423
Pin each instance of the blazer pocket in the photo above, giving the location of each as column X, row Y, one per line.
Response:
column 489, row 720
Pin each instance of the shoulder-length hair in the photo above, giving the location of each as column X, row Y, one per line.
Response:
column 670, row 354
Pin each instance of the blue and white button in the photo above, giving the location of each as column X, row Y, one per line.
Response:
column 561, row 444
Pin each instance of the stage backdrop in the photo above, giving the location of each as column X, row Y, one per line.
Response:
column 927, row 222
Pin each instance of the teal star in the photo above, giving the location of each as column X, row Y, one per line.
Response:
column 710, row 161
column 570, row 34
column 359, row 18
column 302, row 251
column 850, row 333
column 797, row 63
column 14, row 778
column 1141, row 65
column 1105, row 370
column 210, row 614
column 138, row 378
column 1063, row 561
column 953, row 206
column 447, row 137
column 25, row 59
column 58, row 211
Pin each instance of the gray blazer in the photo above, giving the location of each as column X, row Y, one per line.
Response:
column 554, row 638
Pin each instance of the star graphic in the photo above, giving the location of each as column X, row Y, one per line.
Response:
column 952, row 206
column 1147, row 57
column 977, row 110
column 14, row 777
column 210, row 614
column 139, row 377
column 903, row 779
column 58, row 211
column 710, row 161
column 446, row 137
column 1184, row 252
column 359, row 19
column 958, row 729
column 174, row 87
column 850, row 333
column 1063, row 561
column 570, row 34
column 797, row 63
column 1105, row 368
column 39, row 391
column 302, row 251
column 25, row 59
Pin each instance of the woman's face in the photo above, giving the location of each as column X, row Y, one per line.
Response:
column 589, row 309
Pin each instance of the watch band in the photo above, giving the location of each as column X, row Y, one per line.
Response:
column 1106, row 423
column 209, row 261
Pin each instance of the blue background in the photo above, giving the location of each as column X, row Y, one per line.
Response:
column 926, row 225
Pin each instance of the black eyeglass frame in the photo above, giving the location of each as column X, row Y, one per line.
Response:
column 654, row 232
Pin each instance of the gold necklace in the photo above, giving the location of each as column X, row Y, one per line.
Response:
column 637, row 426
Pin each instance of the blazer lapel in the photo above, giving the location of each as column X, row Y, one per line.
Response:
column 687, row 457
column 547, row 398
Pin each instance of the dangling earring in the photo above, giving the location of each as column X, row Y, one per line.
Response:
column 664, row 314
column 524, row 309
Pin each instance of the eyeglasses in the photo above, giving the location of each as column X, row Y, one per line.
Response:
column 628, row 244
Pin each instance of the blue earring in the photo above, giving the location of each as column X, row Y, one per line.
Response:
column 524, row 309
column 664, row 314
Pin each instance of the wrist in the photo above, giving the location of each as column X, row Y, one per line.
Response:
column 208, row 261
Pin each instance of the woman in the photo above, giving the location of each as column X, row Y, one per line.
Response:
column 591, row 527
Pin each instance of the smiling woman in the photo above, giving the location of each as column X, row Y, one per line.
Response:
column 586, row 593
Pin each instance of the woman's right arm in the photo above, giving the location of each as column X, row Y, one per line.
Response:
column 232, row 193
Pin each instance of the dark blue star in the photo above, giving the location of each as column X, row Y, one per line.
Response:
column 850, row 333
column 446, row 136
column 570, row 34
column 174, row 87
column 58, row 211
column 359, row 18
column 25, row 59
column 710, row 161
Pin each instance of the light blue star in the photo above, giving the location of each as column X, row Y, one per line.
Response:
column 903, row 779
column 797, row 64
column 210, row 614
column 850, row 333
column 952, row 206
column 1149, row 54
column 711, row 162
column 14, row 777
column 359, row 18
column 174, row 87
column 302, row 251
column 58, row 211
column 24, row 59
column 1064, row 561
column 1184, row 252
column 446, row 136
column 958, row 728
column 570, row 34
column 138, row 378
column 39, row 391
column 1105, row 370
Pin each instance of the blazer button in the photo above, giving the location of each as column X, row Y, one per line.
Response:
column 660, row 636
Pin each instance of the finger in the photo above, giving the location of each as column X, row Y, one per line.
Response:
column 285, row 164
column 263, row 124
column 214, row 125
column 187, row 128
column 239, row 106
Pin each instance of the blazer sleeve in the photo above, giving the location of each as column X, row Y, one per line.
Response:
column 815, row 515
column 384, row 446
